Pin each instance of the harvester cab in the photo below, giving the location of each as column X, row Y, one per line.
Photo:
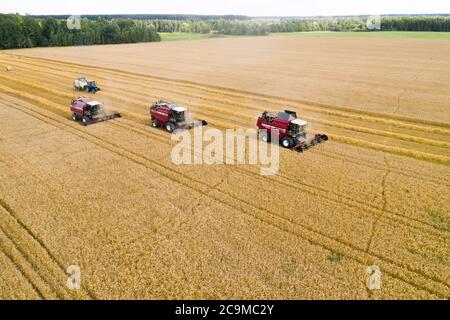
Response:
column 89, row 111
column 171, row 117
column 290, row 130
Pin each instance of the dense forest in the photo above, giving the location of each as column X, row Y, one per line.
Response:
column 27, row 32
column 40, row 31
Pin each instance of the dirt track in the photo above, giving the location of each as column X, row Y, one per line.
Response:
column 376, row 194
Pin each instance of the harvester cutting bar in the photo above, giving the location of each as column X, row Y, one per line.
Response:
column 303, row 146
column 102, row 119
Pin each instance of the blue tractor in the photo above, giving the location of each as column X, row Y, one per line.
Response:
column 82, row 84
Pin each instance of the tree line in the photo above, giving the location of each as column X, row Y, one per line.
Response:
column 265, row 26
column 153, row 17
column 18, row 31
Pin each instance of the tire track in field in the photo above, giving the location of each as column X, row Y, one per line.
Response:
column 89, row 293
column 20, row 268
column 45, row 254
column 383, row 208
column 404, row 273
column 414, row 153
column 230, row 91
column 313, row 192
column 48, row 289
column 246, row 106
column 373, row 165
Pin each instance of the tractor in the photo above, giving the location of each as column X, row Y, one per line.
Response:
column 82, row 84
column 291, row 131
column 89, row 111
column 171, row 117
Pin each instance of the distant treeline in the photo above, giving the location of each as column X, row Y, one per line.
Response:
column 221, row 26
column 27, row 32
column 265, row 26
column 388, row 23
column 153, row 17
column 40, row 31
column 418, row 23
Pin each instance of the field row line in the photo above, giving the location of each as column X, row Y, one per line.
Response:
column 34, row 259
column 256, row 107
column 361, row 143
column 373, row 165
column 397, row 270
column 39, row 253
column 235, row 92
column 220, row 110
column 10, row 251
column 303, row 106
column 397, row 150
column 384, row 204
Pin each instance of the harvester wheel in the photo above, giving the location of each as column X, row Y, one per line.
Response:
column 287, row 142
column 170, row 127
column 265, row 137
column 74, row 117
column 85, row 120
column 155, row 123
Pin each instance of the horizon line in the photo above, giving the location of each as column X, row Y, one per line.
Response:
column 235, row 15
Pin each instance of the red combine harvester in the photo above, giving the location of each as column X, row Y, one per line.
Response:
column 89, row 111
column 291, row 131
column 171, row 117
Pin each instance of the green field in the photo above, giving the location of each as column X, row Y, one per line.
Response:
column 377, row 34
column 176, row 36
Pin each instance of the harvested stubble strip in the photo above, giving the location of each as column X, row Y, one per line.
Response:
column 237, row 92
column 334, row 124
column 396, row 150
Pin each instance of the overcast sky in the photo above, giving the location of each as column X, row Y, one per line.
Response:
column 243, row 7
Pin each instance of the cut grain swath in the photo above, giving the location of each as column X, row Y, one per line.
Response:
column 396, row 150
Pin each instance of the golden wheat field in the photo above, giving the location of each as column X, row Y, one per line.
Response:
column 108, row 198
